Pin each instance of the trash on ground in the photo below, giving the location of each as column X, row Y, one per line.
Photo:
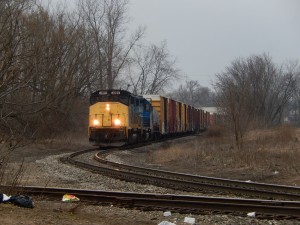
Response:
column 275, row 172
column 189, row 220
column 4, row 198
column 167, row 213
column 166, row 223
column 70, row 198
column 251, row 214
column 19, row 200
column 22, row 200
column 248, row 181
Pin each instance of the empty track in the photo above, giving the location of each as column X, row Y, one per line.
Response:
column 185, row 182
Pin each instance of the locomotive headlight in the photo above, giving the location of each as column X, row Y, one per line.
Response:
column 96, row 122
column 117, row 122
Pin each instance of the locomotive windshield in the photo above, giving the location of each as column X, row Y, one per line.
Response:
column 110, row 96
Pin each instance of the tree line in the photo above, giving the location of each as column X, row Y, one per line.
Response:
column 50, row 61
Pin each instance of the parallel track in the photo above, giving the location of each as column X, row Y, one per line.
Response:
column 264, row 209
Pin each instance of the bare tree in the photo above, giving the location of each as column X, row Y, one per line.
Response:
column 13, row 79
column 152, row 70
column 12, row 75
column 232, row 100
column 194, row 94
column 253, row 91
column 106, row 22
column 91, row 14
column 293, row 111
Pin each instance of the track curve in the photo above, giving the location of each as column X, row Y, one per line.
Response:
column 185, row 182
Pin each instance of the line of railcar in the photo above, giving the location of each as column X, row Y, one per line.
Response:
column 117, row 117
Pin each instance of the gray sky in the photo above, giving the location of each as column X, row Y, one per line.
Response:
column 206, row 35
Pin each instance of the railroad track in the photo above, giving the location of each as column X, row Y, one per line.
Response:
column 265, row 209
column 184, row 182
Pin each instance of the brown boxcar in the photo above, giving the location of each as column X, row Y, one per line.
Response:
column 176, row 117
column 183, row 117
column 171, row 116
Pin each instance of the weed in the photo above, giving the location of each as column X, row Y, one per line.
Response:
column 264, row 151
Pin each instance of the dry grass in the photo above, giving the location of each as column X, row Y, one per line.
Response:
column 264, row 151
column 215, row 131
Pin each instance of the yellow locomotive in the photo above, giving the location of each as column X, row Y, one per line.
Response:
column 117, row 117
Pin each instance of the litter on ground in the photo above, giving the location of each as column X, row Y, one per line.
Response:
column 189, row 220
column 4, row 198
column 251, row 214
column 70, row 198
column 167, row 213
column 166, row 223
column 19, row 200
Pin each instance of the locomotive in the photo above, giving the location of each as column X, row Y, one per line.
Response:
column 118, row 117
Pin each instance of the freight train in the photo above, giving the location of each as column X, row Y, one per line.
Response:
column 117, row 117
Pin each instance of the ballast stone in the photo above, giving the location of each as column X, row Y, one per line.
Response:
column 189, row 220
column 166, row 223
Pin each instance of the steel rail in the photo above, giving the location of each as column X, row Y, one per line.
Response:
column 278, row 190
column 175, row 203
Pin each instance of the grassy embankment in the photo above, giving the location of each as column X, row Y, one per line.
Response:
column 265, row 152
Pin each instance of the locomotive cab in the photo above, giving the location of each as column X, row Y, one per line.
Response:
column 108, row 118
column 117, row 117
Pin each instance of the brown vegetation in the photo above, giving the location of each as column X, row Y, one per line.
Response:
column 253, row 93
column 263, row 153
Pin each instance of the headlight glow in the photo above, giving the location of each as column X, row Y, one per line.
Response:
column 117, row 122
column 96, row 122
column 107, row 107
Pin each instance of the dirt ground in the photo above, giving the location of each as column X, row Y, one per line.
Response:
column 75, row 213
column 64, row 213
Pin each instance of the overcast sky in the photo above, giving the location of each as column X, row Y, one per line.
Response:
column 206, row 35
